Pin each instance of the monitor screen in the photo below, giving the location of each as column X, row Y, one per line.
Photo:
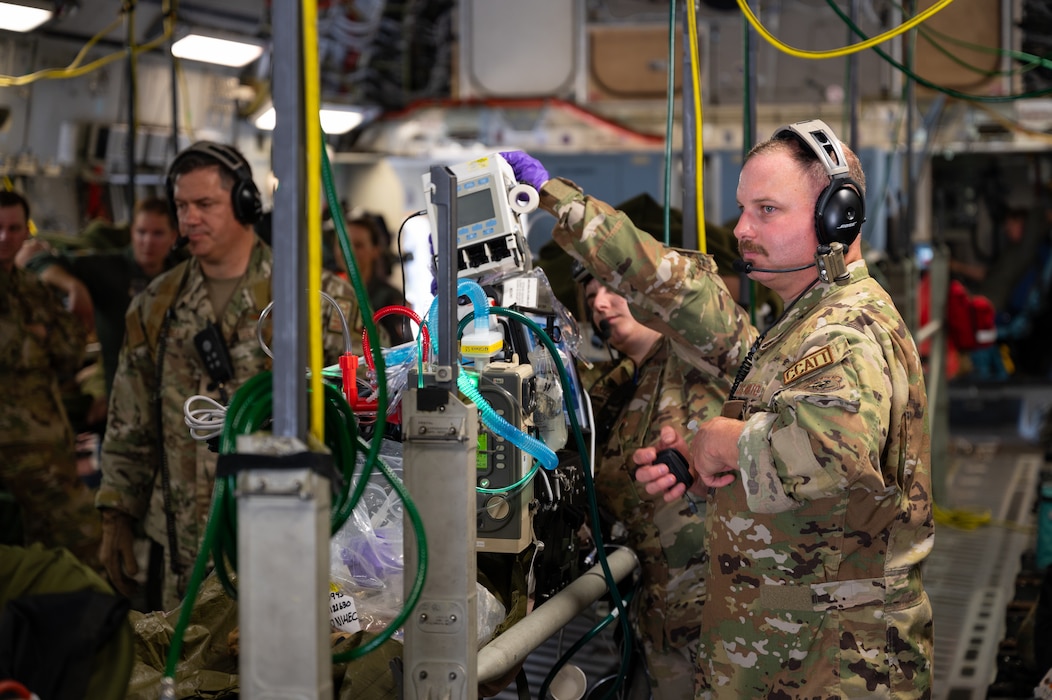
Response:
column 474, row 207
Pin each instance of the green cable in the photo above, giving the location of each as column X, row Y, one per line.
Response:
column 669, row 111
column 927, row 83
column 593, row 506
column 747, row 139
column 418, row 581
column 250, row 408
column 521, row 483
column 196, row 576
column 370, row 327
column 1031, row 62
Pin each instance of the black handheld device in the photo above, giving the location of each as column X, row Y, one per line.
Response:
column 213, row 351
column 677, row 465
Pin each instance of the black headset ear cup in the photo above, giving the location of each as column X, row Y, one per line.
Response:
column 839, row 212
column 248, row 206
column 244, row 195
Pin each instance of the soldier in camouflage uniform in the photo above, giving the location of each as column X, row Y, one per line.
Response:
column 649, row 387
column 153, row 471
column 819, row 510
column 39, row 341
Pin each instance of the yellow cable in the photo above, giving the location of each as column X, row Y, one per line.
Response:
column 961, row 518
column 312, row 127
column 699, row 149
column 836, row 53
column 971, row 519
column 82, row 54
column 74, row 70
column 184, row 88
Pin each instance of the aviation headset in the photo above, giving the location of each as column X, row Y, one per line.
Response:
column 244, row 195
column 840, row 210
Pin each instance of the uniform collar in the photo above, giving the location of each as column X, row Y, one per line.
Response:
column 857, row 271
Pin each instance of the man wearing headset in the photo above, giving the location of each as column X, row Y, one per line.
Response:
column 153, row 471
column 817, row 475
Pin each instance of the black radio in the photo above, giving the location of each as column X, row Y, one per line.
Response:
column 213, row 351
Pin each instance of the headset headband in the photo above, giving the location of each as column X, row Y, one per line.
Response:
column 820, row 139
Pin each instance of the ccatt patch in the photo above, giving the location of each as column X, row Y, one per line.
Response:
column 823, row 357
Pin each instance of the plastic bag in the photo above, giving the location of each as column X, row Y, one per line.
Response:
column 549, row 413
column 366, row 560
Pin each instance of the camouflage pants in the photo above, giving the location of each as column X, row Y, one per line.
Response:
column 671, row 671
column 58, row 510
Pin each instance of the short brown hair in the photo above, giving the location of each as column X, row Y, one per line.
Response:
column 10, row 198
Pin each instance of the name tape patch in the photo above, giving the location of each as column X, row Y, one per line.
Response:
column 823, row 357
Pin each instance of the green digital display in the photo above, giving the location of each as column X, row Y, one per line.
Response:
column 481, row 461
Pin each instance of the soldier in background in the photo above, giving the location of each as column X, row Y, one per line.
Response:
column 648, row 387
column 153, row 471
column 39, row 342
column 819, row 510
column 370, row 253
column 100, row 284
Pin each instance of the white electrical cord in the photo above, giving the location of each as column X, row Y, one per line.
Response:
column 343, row 321
column 591, row 432
column 204, row 423
column 547, row 484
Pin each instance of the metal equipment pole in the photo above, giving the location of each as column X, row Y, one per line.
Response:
column 439, row 452
column 510, row 649
column 283, row 504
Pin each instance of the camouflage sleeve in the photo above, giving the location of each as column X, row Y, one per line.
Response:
column 679, row 293
column 129, row 448
column 66, row 336
column 826, row 429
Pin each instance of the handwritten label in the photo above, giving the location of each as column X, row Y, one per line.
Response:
column 343, row 614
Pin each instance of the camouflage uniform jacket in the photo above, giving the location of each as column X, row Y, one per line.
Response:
column 32, row 410
column 814, row 584
column 131, row 468
column 668, row 538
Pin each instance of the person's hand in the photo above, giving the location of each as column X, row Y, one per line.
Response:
column 116, row 551
column 528, row 170
column 30, row 248
column 714, row 451
column 656, row 477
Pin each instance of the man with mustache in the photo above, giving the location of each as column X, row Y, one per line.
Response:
column 817, row 476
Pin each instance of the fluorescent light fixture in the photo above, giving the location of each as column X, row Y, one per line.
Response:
column 214, row 49
column 22, row 17
column 335, row 119
column 339, row 121
column 267, row 120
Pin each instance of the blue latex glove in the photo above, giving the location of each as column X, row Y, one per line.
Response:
column 528, row 170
